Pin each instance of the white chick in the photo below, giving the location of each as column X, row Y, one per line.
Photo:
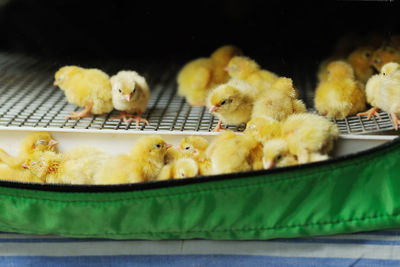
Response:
column 130, row 94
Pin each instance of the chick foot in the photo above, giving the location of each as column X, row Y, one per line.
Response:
column 82, row 114
column 124, row 116
column 395, row 120
column 218, row 127
column 371, row 112
column 138, row 120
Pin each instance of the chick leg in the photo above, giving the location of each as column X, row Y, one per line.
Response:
column 139, row 119
column 82, row 114
column 218, row 127
column 124, row 116
column 395, row 120
column 371, row 112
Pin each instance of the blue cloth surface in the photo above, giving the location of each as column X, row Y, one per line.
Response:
column 378, row 248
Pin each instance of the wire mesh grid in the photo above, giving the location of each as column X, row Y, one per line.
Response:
column 28, row 99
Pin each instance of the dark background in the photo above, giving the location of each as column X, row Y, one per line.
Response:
column 168, row 30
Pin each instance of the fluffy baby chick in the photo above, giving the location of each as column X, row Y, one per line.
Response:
column 383, row 92
column 17, row 174
column 307, row 134
column 263, row 128
column 340, row 95
column 360, row 60
column 232, row 102
column 384, row 55
column 47, row 166
column 231, row 152
column 276, row 154
column 130, row 94
column 179, row 169
column 199, row 76
column 195, row 147
column 143, row 163
column 88, row 88
column 246, row 69
column 35, row 142
column 278, row 102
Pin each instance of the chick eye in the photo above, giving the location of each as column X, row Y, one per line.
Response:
column 367, row 54
column 158, row 146
column 119, row 90
column 134, row 90
column 223, row 102
column 279, row 157
column 187, row 148
column 183, row 175
column 41, row 142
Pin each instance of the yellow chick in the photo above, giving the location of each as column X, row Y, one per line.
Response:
column 195, row 147
column 172, row 154
column 199, row 76
column 232, row 102
column 88, row 88
column 231, row 152
column 383, row 92
column 246, row 69
column 383, row 55
column 130, row 94
column 278, row 102
column 307, row 134
column 179, row 169
column 276, row 154
column 360, row 60
column 37, row 141
column 143, row 163
column 17, row 174
column 48, row 166
column 340, row 95
column 263, row 128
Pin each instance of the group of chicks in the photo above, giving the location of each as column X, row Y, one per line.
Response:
column 236, row 89
column 366, row 75
column 266, row 143
column 93, row 89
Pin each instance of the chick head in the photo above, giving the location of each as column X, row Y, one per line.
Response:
column 277, row 154
column 339, row 70
column 63, row 73
column 43, row 164
column 389, row 68
column 193, row 145
column 361, row 56
column 125, row 89
column 224, row 54
column 224, row 99
column 151, row 146
column 384, row 55
column 242, row 67
column 39, row 141
column 185, row 168
column 263, row 128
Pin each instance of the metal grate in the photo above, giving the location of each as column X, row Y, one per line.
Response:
column 28, row 99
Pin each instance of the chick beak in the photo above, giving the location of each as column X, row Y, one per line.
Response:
column 213, row 109
column 167, row 146
column 24, row 165
column 55, row 83
column 268, row 164
column 226, row 69
column 52, row 143
column 128, row 97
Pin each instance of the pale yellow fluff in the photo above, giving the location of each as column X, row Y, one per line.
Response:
column 195, row 147
column 276, row 154
column 179, row 169
column 85, row 88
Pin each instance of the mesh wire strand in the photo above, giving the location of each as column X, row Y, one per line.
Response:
column 28, row 99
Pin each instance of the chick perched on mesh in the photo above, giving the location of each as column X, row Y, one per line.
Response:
column 199, row 76
column 279, row 101
column 383, row 92
column 232, row 102
column 340, row 95
column 130, row 94
column 143, row 163
column 360, row 60
column 383, row 55
column 248, row 70
column 88, row 88
column 230, row 152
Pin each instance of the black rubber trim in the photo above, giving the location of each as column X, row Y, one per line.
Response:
column 181, row 182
